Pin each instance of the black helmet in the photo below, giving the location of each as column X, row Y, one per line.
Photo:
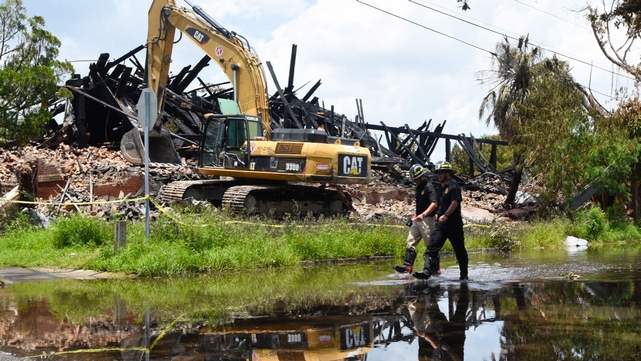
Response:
column 417, row 171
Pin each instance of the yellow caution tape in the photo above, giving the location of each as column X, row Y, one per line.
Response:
column 115, row 201
column 93, row 350
column 170, row 214
column 170, row 327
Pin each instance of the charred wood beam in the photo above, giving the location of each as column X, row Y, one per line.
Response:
column 292, row 69
column 100, row 65
column 448, row 150
column 475, row 157
column 493, row 156
column 175, row 82
column 409, row 152
column 124, row 80
column 193, row 73
column 401, row 130
column 124, row 57
column 204, row 86
column 282, row 96
column 433, row 139
column 139, row 68
column 415, row 142
column 311, row 91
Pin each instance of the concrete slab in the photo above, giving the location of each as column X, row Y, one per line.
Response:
column 18, row 274
column 477, row 215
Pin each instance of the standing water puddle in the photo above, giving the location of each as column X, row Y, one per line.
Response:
column 585, row 306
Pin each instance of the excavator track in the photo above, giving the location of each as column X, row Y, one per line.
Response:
column 196, row 189
column 273, row 200
column 239, row 199
column 285, row 199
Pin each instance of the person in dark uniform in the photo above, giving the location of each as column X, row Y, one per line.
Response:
column 423, row 220
column 440, row 338
column 449, row 225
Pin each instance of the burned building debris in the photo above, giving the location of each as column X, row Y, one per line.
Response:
column 102, row 111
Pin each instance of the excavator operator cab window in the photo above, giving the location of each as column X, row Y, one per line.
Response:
column 239, row 130
column 225, row 140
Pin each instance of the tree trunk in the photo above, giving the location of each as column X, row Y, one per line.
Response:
column 516, row 181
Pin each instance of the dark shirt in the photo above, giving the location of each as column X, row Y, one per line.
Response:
column 451, row 192
column 426, row 193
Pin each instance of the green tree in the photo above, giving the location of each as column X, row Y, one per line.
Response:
column 555, row 140
column 29, row 73
column 617, row 27
column 515, row 69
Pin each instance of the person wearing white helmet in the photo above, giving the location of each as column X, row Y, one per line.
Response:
column 423, row 220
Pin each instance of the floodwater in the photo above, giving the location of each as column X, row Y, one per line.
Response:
column 538, row 306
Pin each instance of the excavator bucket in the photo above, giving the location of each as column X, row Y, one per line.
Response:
column 161, row 148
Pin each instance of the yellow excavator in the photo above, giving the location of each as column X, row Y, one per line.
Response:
column 253, row 169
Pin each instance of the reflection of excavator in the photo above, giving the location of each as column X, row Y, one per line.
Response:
column 333, row 338
column 307, row 339
column 238, row 143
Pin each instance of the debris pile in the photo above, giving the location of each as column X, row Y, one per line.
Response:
column 69, row 174
column 386, row 198
column 80, row 162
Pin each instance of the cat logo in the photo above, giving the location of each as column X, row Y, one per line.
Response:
column 355, row 336
column 353, row 165
column 198, row 35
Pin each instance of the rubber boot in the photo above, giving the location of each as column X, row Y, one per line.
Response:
column 430, row 268
column 408, row 262
column 437, row 266
column 463, row 276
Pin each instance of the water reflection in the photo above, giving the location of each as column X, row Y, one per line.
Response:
column 440, row 337
column 593, row 319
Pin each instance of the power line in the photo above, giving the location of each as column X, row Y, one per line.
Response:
column 512, row 37
column 548, row 13
column 455, row 38
column 426, row 27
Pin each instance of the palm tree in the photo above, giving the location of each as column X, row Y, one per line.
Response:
column 516, row 69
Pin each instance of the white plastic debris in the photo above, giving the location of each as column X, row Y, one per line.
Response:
column 575, row 244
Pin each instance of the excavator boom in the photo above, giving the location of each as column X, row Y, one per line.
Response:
column 230, row 51
column 267, row 166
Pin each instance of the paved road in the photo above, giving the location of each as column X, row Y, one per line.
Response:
column 19, row 274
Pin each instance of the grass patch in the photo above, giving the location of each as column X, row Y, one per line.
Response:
column 207, row 240
column 203, row 241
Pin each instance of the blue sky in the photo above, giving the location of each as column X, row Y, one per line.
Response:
column 403, row 73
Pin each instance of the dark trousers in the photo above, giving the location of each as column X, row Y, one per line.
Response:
column 454, row 232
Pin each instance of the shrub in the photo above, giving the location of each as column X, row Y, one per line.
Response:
column 80, row 231
column 501, row 237
column 592, row 224
column 21, row 222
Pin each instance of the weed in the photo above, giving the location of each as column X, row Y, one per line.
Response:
column 80, row 231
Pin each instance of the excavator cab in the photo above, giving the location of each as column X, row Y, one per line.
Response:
column 225, row 140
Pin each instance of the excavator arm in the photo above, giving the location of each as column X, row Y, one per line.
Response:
column 229, row 50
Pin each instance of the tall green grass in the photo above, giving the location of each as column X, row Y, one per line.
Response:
column 203, row 241
column 207, row 240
